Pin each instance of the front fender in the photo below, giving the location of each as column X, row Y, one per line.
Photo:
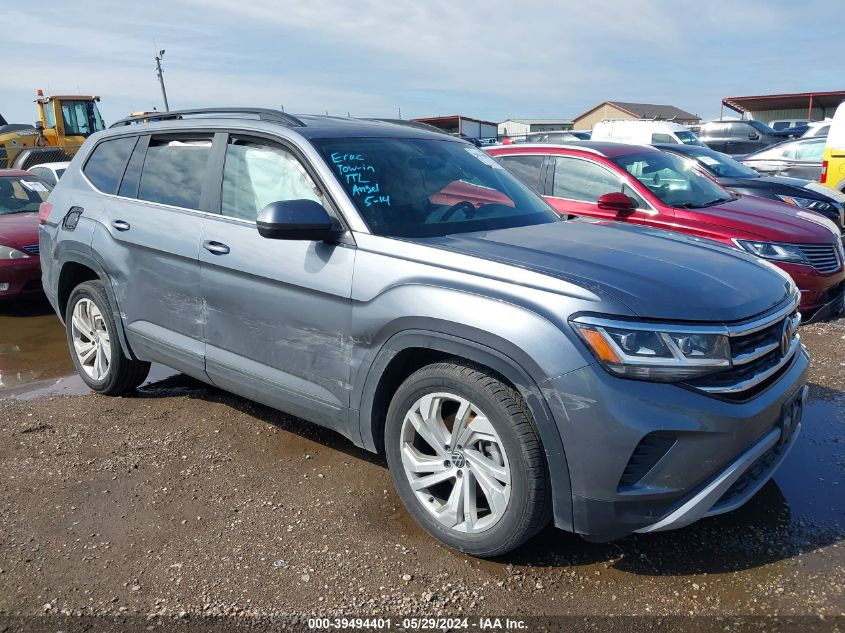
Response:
column 517, row 369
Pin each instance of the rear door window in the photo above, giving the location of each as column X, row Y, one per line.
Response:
column 104, row 168
column 525, row 167
column 174, row 170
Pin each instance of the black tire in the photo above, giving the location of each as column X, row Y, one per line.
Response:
column 124, row 374
column 529, row 507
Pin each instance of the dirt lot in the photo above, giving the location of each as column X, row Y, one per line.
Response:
column 187, row 503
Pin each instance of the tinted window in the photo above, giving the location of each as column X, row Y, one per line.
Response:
column 722, row 165
column 81, row 118
column 407, row 187
column 256, row 174
column 583, row 180
column 174, row 170
column 674, row 181
column 780, row 125
column 21, row 194
column 105, row 166
column 526, row 168
column 662, row 138
column 715, row 129
column 741, row 130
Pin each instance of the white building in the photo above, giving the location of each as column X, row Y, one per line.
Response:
column 521, row 127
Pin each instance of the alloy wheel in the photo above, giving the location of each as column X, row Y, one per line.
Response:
column 90, row 337
column 455, row 462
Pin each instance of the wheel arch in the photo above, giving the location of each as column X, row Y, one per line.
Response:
column 409, row 350
column 76, row 268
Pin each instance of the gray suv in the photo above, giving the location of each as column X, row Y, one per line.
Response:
column 401, row 287
column 737, row 136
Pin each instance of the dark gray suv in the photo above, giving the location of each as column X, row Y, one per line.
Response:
column 401, row 287
column 737, row 136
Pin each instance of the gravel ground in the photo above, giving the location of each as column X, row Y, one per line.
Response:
column 184, row 503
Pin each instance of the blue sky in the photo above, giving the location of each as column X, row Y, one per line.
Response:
column 493, row 60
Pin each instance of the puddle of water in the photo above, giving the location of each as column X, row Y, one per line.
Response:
column 812, row 477
column 32, row 343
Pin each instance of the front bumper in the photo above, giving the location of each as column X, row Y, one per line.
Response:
column 706, row 444
column 817, row 289
column 736, row 484
column 23, row 276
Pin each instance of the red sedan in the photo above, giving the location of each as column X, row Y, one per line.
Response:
column 642, row 185
column 20, row 195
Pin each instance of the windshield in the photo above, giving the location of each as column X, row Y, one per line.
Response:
column 405, row 187
column 722, row 165
column 21, row 194
column 81, row 118
column 688, row 138
column 675, row 182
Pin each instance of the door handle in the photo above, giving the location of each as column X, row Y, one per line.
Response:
column 120, row 225
column 215, row 248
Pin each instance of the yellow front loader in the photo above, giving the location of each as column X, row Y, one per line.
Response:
column 64, row 122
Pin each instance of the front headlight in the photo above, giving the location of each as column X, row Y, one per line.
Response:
column 662, row 353
column 809, row 203
column 775, row 251
column 7, row 252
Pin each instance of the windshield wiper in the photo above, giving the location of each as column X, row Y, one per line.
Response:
column 700, row 205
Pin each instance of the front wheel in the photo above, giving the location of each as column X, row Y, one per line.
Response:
column 94, row 346
column 466, row 459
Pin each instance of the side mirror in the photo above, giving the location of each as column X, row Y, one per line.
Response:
column 753, row 136
column 296, row 220
column 39, row 125
column 616, row 201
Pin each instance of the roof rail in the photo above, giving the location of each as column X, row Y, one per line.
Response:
column 262, row 114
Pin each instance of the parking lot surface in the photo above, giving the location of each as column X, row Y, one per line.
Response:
column 184, row 501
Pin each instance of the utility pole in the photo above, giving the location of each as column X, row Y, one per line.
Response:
column 161, row 79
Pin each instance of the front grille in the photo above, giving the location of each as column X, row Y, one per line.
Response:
column 823, row 257
column 759, row 355
column 32, row 249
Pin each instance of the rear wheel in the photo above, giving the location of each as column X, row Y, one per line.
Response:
column 94, row 346
column 466, row 459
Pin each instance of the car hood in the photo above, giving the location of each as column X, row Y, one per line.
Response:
column 766, row 219
column 19, row 229
column 769, row 183
column 656, row 274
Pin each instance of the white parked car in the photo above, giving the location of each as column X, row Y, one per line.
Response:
column 817, row 128
column 51, row 172
column 643, row 132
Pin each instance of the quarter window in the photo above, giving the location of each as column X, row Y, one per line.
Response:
column 104, row 168
column 256, row 174
column 174, row 170
column 526, row 168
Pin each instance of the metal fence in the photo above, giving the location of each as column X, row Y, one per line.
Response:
column 26, row 157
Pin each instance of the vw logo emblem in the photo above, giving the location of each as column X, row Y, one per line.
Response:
column 786, row 336
column 458, row 459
